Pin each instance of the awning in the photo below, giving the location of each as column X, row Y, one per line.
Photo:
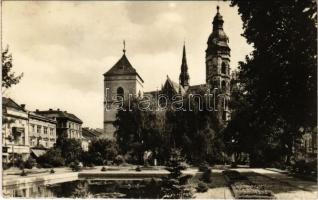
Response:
column 38, row 152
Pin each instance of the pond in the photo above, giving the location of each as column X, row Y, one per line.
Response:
column 147, row 188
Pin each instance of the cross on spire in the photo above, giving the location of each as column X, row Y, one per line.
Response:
column 124, row 50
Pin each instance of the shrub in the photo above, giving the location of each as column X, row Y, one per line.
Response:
column 103, row 169
column 75, row 166
column 52, row 171
column 30, row 163
column 185, row 179
column 204, row 167
column 5, row 166
column 138, row 169
column 202, row 187
column 52, row 158
column 207, row 176
column 119, row 160
column 184, row 165
column 18, row 161
column 23, row 173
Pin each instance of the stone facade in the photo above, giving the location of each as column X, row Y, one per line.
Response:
column 15, row 134
column 121, row 80
column 67, row 123
column 42, row 131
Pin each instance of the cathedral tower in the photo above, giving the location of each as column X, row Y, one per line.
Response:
column 218, row 66
column 184, row 75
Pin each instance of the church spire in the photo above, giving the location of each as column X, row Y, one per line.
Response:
column 184, row 75
column 218, row 20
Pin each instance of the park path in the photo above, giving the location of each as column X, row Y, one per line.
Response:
column 219, row 188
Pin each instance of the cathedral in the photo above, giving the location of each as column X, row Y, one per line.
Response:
column 123, row 79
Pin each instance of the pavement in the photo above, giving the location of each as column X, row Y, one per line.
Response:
column 282, row 185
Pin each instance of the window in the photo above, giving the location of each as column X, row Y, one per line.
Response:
column 224, row 115
column 223, row 69
column 45, row 130
column 120, row 93
column 51, row 131
column 223, row 85
column 33, row 128
column 38, row 130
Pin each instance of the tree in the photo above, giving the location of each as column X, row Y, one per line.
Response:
column 71, row 149
column 8, row 77
column 175, row 185
column 102, row 150
column 279, row 77
column 51, row 158
column 139, row 130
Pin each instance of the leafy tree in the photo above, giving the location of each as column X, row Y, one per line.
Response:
column 278, row 79
column 70, row 148
column 52, row 158
column 139, row 130
column 102, row 150
column 8, row 77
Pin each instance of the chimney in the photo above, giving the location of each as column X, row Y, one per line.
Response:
column 37, row 110
column 23, row 106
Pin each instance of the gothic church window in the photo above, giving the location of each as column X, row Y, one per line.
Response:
column 223, row 69
column 120, row 93
column 223, row 85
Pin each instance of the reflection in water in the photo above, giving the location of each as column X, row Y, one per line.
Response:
column 148, row 188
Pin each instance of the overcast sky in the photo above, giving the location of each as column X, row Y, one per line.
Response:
column 63, row 48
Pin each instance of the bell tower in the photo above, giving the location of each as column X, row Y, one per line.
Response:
column 120, row 82
column 217, row 59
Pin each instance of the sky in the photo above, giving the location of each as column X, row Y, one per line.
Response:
column 64, row 47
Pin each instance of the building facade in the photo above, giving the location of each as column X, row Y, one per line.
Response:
column 120, row 81
column 15, row 141
column 67, row 124
column 42, row 131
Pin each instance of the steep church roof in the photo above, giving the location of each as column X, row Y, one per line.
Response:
column 175, row 86
column 122, row 67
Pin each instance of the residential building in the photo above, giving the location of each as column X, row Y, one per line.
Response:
column 42, row 131
column 88, row 135
column 68, row 124
column 15, row 139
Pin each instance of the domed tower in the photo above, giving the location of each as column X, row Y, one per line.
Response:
column 218, row 66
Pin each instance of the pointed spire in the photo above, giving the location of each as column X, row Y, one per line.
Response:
column 184, row 75
column 184, row 57
column 217, row 8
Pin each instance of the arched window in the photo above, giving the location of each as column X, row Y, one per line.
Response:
column 223, row 69
column 120, row 93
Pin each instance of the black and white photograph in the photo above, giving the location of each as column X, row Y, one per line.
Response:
column 159, row 99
